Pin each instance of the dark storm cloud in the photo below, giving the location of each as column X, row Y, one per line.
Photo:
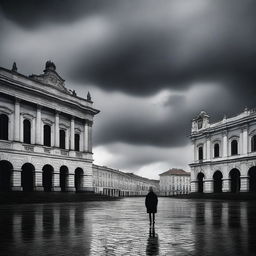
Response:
column 33, row 13
column 156, row 44
column 151, row 46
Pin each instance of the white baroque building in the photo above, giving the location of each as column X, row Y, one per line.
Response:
column 174, row 182
column 45, row 133
column 224, row 153
column 111, row 182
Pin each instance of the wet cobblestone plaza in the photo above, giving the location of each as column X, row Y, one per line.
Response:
column 183, row 227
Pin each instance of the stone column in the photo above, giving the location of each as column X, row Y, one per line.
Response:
column 226, row 185
column 16, row 180
column 17, row 120
column 33, row 132
column 225, row 144
column 208, row 186
column 195, row 151
column 86, row 136
column 194, row 186
column 56, row 182
column 38, row 125
column 208, row 148
column 39, row 180
column 245, row 140
column 244, row 184
column 57, row 130
column 67, row 139
column 21, row 128
column 90, row 137
column 240, row 143
column 71, row 182
column 72, row 134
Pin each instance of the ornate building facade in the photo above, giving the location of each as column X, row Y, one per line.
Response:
column 174, row 182
column 45, row 133
column 224, row 154
column 113, row 182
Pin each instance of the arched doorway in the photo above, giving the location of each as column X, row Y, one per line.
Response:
column 79, row 178
column 252, row 179
column 5, row 175
column 217, row 182
column 27, row 177
column 234, row 175
column 4, row 127
column 200, row 182
column 47, row 178
column 63, row 178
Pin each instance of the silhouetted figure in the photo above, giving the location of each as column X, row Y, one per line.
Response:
column 152, row 248
column 151, row 205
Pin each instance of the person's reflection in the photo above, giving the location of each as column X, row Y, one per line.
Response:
column 153, row 243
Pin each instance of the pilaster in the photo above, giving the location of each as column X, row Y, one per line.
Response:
column 17, row 120
column 56, row 182
column 225, row 143
column 38, row 125
column 72, row 134
column 16, row 180
column 244, row 184
column 57, row 130
column 39, row 180
column 208, row 186
column 226, row 185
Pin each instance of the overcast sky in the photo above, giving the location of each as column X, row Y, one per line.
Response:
column 150, row 67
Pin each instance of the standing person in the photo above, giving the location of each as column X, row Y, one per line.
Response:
column 151, row 205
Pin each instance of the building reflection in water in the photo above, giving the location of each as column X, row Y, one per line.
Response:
column 183, row 227
column 44, row 230
column 152, row 243
column 221, row 228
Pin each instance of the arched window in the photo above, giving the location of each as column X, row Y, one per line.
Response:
column 62, row 139
column 253, row 143
column 27, row 131
column 4, row 127
column 234, row 147
column 47, row 135
column 200, row 153
column 77, row 141
column 216, row 150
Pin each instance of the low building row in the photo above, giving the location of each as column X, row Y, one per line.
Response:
column 174, row 182
column 111, row 182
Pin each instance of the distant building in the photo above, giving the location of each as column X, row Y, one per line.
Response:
column 111, row 182
column 45, row 133
column 224, row 153
column 174, row 182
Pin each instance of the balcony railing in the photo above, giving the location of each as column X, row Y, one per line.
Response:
column 18, row 146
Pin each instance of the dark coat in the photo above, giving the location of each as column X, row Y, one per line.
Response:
column 151, row 202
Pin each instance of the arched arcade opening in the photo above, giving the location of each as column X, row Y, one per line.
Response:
column 79, row 175
column 5, row 175
column 63, row 178
column 252, row 179
column 217, row 182
column 47, row 178
column 235, row 183
column 200, row 182
column 27, row 177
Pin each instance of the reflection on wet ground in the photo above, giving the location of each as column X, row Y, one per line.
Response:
column 183, row 227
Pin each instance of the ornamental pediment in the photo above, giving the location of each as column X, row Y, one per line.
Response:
column 50, row 77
